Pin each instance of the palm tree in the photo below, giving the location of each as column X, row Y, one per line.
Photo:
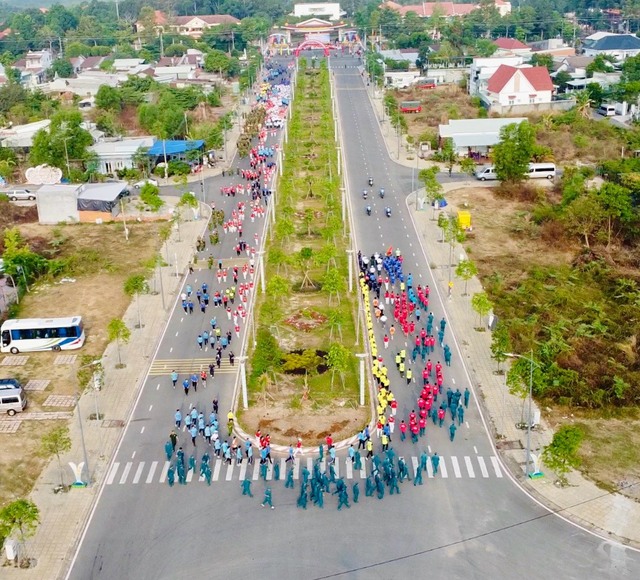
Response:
column 583, row 104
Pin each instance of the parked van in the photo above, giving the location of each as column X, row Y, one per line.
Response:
column 607, row 110
column 542, row 170
column 486, row 173
column 12, row 401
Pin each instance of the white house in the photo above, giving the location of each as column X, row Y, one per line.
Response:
column 194, row 26
column 482, row 69
column 21, row 136
column 475, row 135
column 34, row 67
column 329, row 10
column 114, row 155
column 510, row 86
column 619, row 46
column 512, row 47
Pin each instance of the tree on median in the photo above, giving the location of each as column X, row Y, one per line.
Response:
column 117, row 330
column 55, row 442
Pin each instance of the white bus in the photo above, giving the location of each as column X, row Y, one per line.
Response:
column 32, row 334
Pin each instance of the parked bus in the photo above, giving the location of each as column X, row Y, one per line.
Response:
column 33, row 334
column 410, row 107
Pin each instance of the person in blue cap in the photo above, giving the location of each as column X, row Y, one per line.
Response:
column 305, row 475
column 263, row 471
column 267, row 498
column 357, row 462
column 369, row 486
column 423, row 460
column 379, row 487
column 246, row 487
column 452, row 431
column 168, row 449
column 180, row 457
column 207, row 474
column 403, row 470
column 192, row 463
column 276, row 471
column 171, row 475
column 418, row 478
column 343, row 500
column 460, row 415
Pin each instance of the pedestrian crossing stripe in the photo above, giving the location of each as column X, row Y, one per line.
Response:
column 190, row 366
column 222, row 471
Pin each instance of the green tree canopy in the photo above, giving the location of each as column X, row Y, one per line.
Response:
column 511, row 156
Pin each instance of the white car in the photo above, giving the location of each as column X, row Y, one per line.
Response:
column 20, row 195
column 143, row 182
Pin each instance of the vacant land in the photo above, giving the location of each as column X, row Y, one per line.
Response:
column 506, row 242
column 100, row 260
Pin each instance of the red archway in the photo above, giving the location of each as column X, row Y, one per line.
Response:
column 311, row 44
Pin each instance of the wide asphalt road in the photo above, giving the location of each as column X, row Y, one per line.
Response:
column 473, row 523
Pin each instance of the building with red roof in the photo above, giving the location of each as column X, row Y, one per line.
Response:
column 524, row 85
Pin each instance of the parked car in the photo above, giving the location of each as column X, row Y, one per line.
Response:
column 20, row 195
column 143, row 182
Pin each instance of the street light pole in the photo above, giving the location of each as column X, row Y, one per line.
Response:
column 84, row 445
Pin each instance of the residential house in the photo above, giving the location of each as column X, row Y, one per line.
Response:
column 329, row 10
column 399, row 55
column 483, row 68
column 446, row 9
column 21, row 136
column 91, row 63
column 194, row 26
column 576, row 67
column 130, row 66
column 85, row 84
column 474, row 137
column 167, row 74
column 619, row 46
column 512, row 47
column 114, row 155
column 34, row 66
column 513, row 86
column 76, row 63
column 556, row 47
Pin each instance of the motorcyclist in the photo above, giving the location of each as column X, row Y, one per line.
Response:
column 365, row 193
column 368, row 209
column 387, row 210
column 382, row 192
column 371, row 181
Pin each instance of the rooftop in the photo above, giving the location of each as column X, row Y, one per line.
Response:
column 538, row 77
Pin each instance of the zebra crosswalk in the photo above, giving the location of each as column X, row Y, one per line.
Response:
column 150, row 472
column 190, row 365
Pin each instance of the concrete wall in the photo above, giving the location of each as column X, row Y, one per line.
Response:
column 553, row 106
column 57, row 207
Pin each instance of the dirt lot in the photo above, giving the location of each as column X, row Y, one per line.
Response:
column 611, row 449
column 102, row 260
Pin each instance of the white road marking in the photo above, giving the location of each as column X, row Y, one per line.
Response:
column 483, row 467
column 415, row 463
column 296, row 468
column 189, row 475
column 349, row 469
column 256, row 471
column 171, row 349
column 150, row 407
column 269, row 471
column 125, row 473
column 112, row 473
column 456, row 466
column 216, row 469
column 469, row 465
column 165, row 469
column 152, row 471
column 178, row 332
column 475, row 449
column 496, row 466
column 243, row 470
column 467, row 424
column 133, row 455
column 443, row 468
column 142, row 430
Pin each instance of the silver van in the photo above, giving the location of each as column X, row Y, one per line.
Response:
column 21, row 195
column 12, row 401
column 607, row 110
column 486, row 173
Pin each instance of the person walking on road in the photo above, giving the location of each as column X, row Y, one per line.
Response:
column 168, row 449
column 246, row 487
column 194, row 433
column 178, row 418
column 466, row 397
column 173, row 437
column 174, row 378
column 267, row 498
column 185, row 386
column 452, row 431
column 435, row 463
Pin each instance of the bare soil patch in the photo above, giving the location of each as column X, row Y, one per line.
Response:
column 103, row 260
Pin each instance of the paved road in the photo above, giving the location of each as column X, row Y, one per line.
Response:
column 467, row 524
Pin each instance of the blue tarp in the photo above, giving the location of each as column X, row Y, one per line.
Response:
column 174, row 147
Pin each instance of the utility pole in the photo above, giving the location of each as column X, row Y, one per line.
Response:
column 161, row 44
column 117, row 11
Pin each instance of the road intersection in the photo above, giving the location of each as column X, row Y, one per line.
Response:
column 469, row 520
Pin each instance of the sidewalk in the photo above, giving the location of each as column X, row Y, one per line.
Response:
column 63, row 516
column 608, row 514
